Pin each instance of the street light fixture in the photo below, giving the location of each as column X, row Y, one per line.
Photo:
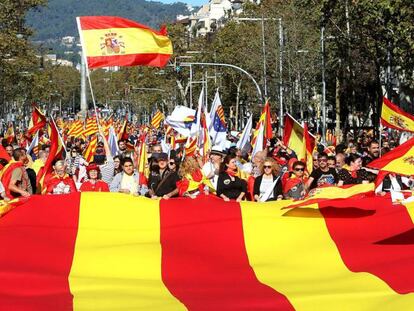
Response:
column 281, row 44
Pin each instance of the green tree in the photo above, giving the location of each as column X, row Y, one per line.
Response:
column 17, row 58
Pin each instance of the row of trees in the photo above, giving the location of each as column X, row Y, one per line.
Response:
column 17, row 58
column 368, row 45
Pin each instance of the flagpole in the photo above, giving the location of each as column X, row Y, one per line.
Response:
column 87, row 71
column 380, row 139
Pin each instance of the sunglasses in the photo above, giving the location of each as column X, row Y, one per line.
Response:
column 267, row 166
column 171, row 163
column 323, row 160
column 299, row 169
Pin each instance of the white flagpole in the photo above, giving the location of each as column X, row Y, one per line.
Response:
column 84, row 53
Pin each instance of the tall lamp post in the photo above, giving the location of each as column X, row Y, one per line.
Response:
column 323, row 101
column 281, row 44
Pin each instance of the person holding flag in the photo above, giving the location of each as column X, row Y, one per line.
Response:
column 14, row 176
column 294, row 182
column 59, row 182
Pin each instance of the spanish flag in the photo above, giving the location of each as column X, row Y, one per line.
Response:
column 394, row 117
column 308, row 146
column 110, row 251
column 294, row 138
column 143, row 170
column 9, row 136
column 115, row 41
column 55, row 153
column 399, row 160
column 263, row 131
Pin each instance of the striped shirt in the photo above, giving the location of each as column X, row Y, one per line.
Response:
column 107, row 169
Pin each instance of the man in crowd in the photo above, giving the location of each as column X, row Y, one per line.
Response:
column 15, row 178
column 323, row 175
column 162, row 182
column 40, row 161
column 9, row 149
column 373, row 153
column 128, row 180
column 123, row 151
column 212, row 167
column 340, row 161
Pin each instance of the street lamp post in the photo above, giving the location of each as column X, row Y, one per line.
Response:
column 281, row 43
column 323, row 101
column 259, row 92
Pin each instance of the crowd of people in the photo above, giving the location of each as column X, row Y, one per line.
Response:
column 274, row 173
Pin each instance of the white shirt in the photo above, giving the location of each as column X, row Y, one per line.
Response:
column 129, row 183
column 265, row 185
column 209, row 170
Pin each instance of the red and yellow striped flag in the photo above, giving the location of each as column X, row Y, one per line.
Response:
column 90, row 150
column 110, row 251
column 394, row 117
column 190, row 146
column 91, row 127
column 114, row 41
column 76, row 129
column 157, row 119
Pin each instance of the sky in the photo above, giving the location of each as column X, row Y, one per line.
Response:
column 192, row 2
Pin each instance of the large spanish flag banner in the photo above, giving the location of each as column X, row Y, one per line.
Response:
column 110, row 251
column 115, row 41
column 394, row 117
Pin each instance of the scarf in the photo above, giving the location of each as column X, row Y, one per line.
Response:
column 354, row 174
column 231, row 172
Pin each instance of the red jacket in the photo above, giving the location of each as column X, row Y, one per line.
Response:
column 99, row 186
column 54, row 180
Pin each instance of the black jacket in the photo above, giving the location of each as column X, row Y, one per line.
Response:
column 277, row 190
column 230, row 188
column 163, row 184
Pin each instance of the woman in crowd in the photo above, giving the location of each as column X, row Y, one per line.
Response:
column 75, row 165
column 294, row 182
column 59, row 182
column 229, row 186
column 192, row 182
column 94, row 182
column 268, row 186
column 356, row 174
